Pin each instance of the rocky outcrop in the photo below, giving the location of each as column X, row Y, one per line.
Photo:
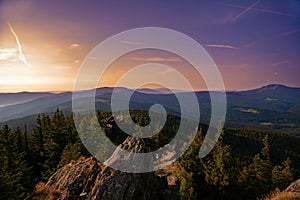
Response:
column 294, row 187
column 292, row 192
column 89, row 179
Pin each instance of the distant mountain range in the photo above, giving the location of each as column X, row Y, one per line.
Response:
column 275, row 106
column 21, row 97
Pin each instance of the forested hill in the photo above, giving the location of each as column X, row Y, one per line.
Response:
column 244, row 164
column 272, row 107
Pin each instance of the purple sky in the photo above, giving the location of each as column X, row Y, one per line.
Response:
column 253, row 43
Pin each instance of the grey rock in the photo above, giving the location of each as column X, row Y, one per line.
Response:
column 88, row 179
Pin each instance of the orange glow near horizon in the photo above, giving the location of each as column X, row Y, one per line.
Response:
column 53, row 63
column 136, row 58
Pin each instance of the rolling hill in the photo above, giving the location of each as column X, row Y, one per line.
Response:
column 274, row 107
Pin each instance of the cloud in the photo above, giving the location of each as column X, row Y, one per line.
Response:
column 156, row 59
column 74, row 46
column 280, row 63
column 131, row 42
column 287, row 33
column 221, row 46
column 9, row 54
column 61, row 67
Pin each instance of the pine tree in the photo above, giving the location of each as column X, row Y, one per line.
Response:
column 265, row 152
column 71, row 152
column 26, row 139
column 19, row 140
column 187, row 189
column 6, row 183
column 217, row 167
column 5, row 148
column 256, row 177
column 37, row 138
column 14, row 170
column 53, row 142
column 282, row 175
column 37, row 149
column 189, row 170
column 21, row 168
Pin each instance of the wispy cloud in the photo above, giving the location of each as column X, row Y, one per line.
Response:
column 221, row 46
column 156, row 59
column 247, row 9
column 74, row 46
column 262, row 10
column 289, row 32
column 9, row 54
column 62, row 67
column 280, row 63
column 20, row 51
column 131, row 42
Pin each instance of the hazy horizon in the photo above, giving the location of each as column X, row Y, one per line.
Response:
column 149, row 88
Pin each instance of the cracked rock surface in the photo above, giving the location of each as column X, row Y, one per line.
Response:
column 89, row 179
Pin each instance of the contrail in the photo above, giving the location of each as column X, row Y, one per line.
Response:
column 262, row 10
column 21, row 55
column 245, row 11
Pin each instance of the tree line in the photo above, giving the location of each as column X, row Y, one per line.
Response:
column 27, row 158
column 224, row 175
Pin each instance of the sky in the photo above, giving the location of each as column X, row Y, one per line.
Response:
column 44, row 43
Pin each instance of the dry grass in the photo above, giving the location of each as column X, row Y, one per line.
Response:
column 89, row 159
column 113, row 172
column 40, row 187
column 81, row 158
column 100, row 165
column 40, row 192
column 43, row 192
column 281, row 195
column 69, row 165
column 53, row 194
column 87, row 171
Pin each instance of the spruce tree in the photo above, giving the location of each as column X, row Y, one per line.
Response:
column 256, row 178
column 282, row 175
column 216, row 167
